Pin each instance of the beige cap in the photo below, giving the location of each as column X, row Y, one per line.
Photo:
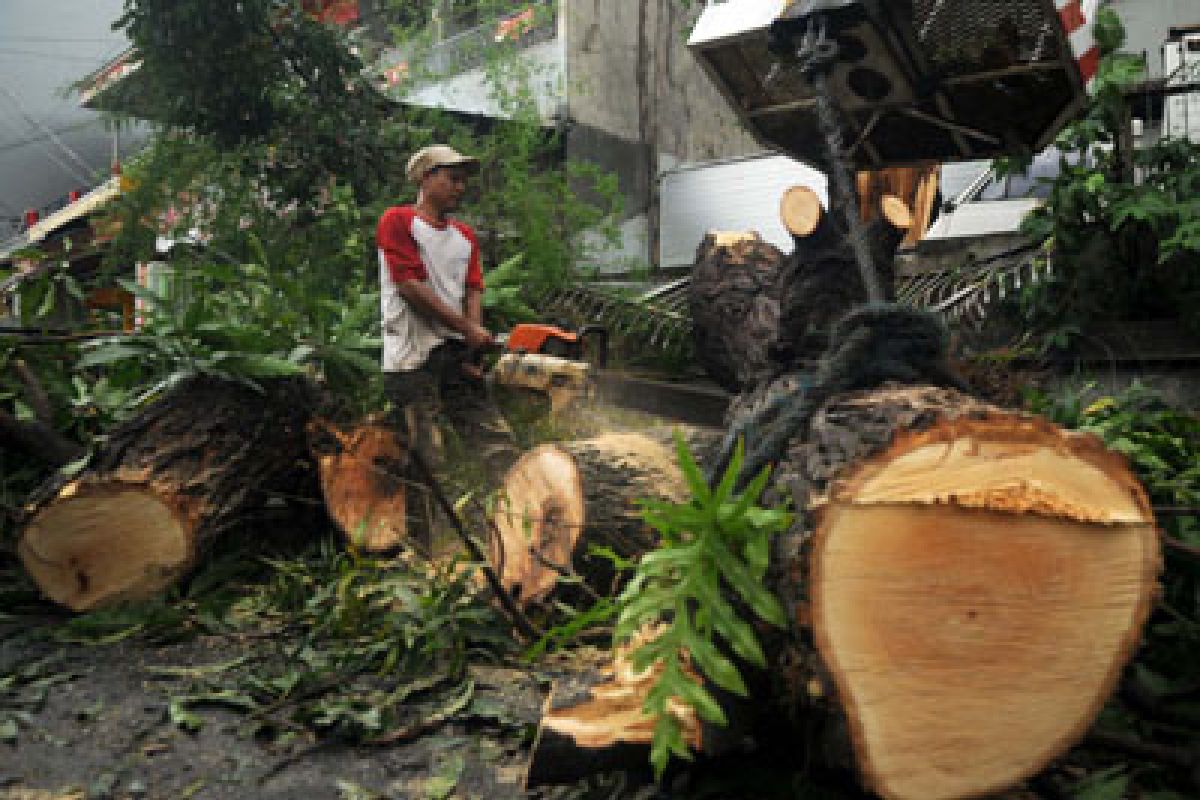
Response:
column 437, row 155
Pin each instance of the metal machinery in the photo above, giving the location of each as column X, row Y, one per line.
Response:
column 911, row 80
column 867, row 84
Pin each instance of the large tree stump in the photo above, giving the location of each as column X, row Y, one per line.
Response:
column 163, row 486
column 734, row 307
column 363, row 472
column 560, row 499
column 965, row 585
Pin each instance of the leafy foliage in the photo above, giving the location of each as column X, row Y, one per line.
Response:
column 1122, row 228
column 263, row 72
column 1163, row 447
column 714, row 547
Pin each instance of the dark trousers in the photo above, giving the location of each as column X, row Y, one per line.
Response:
column 440, row 395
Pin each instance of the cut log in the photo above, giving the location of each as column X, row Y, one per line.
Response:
column 800, row 211
column 977, row 590
column 560, row 499
column 965, row 585
column 163, row 486
column 916, row 187
column 977, row 580
column 593, row 722
column 362, row 473
column 734, row 308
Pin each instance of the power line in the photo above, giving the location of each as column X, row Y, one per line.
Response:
column 66, row 39
column 43, row 127
column 14, row 51
column 64, row 129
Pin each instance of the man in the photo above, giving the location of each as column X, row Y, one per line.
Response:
column 432, row 292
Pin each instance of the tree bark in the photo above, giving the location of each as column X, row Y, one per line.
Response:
column 964, row 586
column 363, row 472
column 163, row 487
column 734, row 308
column 819, row 283
column 560, row 499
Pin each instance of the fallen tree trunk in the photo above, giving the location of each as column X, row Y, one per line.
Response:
column 965, row 585
column 558, row 500
column 362, row 470
column 734, row 307
column 163, row 486
column 819, row 283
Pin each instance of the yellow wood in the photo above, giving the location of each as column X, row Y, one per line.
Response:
column 970, row 647
column 90, row 548
column 364, row 491
column 800, row 210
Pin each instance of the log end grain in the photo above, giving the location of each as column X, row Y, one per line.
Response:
column 362, row 481
column 70, row 551
column 976, row 591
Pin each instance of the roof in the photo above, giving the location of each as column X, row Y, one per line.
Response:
column 89, row 203
column 80, row 209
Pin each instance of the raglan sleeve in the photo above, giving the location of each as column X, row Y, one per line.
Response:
column 474, row 278
column 397, row 248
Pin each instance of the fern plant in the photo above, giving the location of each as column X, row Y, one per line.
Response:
column 713, row 558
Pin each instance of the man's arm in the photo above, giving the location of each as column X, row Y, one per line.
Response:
column 474, row 305
column 426, row 302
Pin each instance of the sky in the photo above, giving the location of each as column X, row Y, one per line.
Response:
column 48, row 144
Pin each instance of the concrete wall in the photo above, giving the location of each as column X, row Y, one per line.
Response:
column 1147, row 23
column 638, row 103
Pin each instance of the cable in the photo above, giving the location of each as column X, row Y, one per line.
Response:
column 64, row 129
column 14, row 51
column 69, row 39
column 43, row 127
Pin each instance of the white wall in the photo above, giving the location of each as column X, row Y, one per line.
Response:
column 1147, row 23
column 738, row 195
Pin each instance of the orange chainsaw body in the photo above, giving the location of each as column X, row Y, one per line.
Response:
column 532, row 338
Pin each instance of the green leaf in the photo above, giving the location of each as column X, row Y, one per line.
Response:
column 111, row 353
column 75, row 467
column 256, row 365
column 178, row 714
column 1108, row 784
column 691, row 472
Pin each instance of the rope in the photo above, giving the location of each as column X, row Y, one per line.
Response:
column 869, row 347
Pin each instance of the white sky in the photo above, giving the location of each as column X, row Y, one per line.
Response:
column 45, row 45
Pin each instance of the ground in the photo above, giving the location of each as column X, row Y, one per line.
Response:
column 104, row 730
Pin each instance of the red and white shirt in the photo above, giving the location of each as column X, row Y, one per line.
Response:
column 414, row 248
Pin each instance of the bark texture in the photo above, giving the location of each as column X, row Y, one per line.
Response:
column 734, row 308
column 964, row 586
column 164, row 486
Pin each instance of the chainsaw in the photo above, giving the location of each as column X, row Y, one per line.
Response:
column 552, row 360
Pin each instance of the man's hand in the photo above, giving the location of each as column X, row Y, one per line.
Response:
column 477, row 337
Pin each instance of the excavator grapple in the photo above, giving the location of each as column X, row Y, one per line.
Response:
column 909, row 80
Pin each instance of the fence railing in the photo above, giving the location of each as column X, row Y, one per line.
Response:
column 468, row 49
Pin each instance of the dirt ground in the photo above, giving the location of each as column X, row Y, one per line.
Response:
column 103, row 731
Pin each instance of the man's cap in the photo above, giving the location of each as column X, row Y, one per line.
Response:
column 437, row 155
